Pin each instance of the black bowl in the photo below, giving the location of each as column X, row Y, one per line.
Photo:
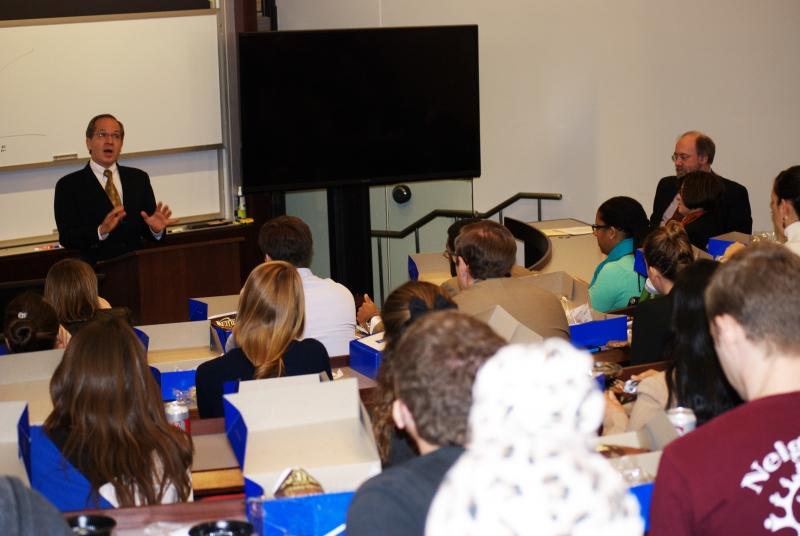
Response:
column 222, row 528
column 92, row 525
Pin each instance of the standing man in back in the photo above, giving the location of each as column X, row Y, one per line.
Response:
column 695, row 151
column 105, row 209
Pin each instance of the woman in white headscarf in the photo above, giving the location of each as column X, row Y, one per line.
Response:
column 529, row 467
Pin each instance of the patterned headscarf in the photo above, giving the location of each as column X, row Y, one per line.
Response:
column 529, row 467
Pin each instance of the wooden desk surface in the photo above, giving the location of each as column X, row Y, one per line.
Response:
column 186, row 514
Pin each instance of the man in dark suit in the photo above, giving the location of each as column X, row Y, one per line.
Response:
column 105, row 209
column 695, row 151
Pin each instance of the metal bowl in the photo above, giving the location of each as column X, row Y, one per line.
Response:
column 222, row 527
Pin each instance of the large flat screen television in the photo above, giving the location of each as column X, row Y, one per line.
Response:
column 364, row 106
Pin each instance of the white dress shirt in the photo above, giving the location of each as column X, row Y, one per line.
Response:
column 330, row 313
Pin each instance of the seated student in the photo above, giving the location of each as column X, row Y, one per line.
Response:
column 71, row 287
column 31, row 325
column 620, row 225
column 269, row 324
column 698, row 205
column 693, row 379
column 108, row 422
column 528, row 467
column 404, row 306
column 785, row 207
column 434, row 365
column 666, row 251
column 451, row 285
column 738, row 474
column 330, row 310
column 485, row 252
column 368, row 313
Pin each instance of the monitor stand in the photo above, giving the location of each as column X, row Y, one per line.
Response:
column 349, row 235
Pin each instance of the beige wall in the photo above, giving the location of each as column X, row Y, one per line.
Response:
column 586, row 97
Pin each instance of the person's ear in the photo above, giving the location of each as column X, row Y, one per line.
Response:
column 728, row 334
column 702, row 159
column 88, row 145
column 787, row 212
column 654, row 276
column 401, row 415
column 461, row 266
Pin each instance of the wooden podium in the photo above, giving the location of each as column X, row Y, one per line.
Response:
column 156, row 283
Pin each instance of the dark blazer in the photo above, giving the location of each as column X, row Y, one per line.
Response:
column 81, row 204
column 735, row 204
column 706, row 226
column 651, row 320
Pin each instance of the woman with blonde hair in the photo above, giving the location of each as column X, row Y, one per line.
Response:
column 71, row 288
column 108, row 422
column 269, row 323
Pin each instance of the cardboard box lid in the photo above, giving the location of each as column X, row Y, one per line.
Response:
column 177, row 335
column 29, row 366
column 735, row 236
column 278, row 383
column 321, row 427
column 265, row 408
column 179, row 345
column 218, row 305
column 508, row 327
column 655, row 435
column 562, row 284
column 26, row 377
column 431, row 267
column 13, row 417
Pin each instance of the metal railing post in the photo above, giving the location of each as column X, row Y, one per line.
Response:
column 380, row 270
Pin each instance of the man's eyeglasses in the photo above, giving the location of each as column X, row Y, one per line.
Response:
column 683, row 157
column 103, row 135
column 596, row 227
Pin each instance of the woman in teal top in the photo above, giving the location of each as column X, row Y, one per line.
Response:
column 620, row 226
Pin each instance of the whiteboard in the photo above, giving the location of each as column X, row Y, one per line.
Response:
column 188, row 182
column 159, row 76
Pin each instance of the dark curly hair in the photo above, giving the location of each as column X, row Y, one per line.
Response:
column 435, row 363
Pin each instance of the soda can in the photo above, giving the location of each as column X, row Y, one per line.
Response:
column 682, row 419
column 178, row 415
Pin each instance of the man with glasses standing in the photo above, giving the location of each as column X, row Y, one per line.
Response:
column 695, row 151
column 105, row 209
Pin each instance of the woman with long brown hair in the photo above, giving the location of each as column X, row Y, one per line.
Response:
column 71, row 288
column 108, row 421
column 269, row 323
column 406, row 303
